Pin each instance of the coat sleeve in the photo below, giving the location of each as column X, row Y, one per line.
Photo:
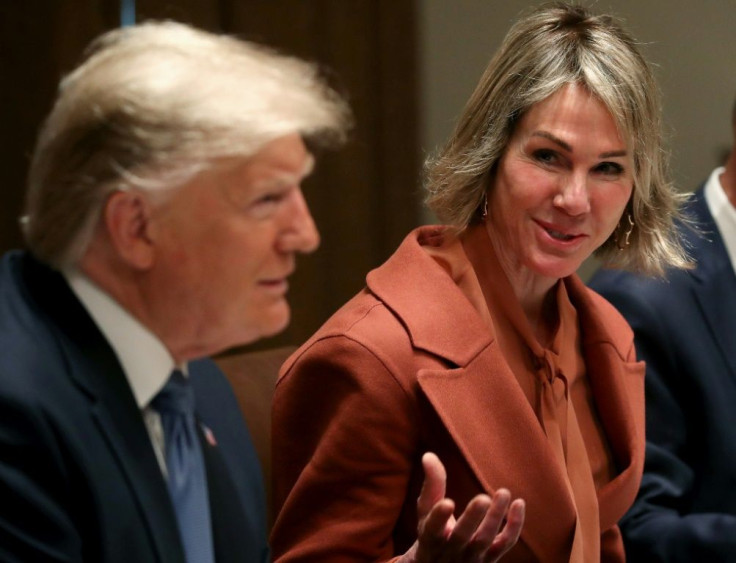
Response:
column 661, row 525
column 344, row 447
column 35, row 523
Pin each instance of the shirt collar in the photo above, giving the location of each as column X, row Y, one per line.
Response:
column 724, row 214
column 144, row 358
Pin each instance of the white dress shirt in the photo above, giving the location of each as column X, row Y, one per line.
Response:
column 146, row 362
column 723, row 213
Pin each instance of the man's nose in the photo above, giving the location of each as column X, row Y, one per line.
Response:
column 301, row 234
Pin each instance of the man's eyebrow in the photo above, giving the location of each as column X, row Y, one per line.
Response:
column 306, row 169
column 283, row 178
column 308, row 165
column 568, row 148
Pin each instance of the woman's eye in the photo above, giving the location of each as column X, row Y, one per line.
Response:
column 545, row 156
column 610, row 168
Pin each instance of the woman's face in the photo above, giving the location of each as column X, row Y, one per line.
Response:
column 560, row 186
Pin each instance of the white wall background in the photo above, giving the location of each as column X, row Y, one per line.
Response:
column 691, row 42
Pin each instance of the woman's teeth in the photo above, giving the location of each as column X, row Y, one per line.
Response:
column 560, row 236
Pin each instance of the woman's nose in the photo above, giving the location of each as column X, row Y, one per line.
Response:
column 573, row 197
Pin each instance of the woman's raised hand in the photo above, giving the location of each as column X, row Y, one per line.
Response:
column 478, row 535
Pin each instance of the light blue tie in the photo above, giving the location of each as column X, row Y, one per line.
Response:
column 185, row 465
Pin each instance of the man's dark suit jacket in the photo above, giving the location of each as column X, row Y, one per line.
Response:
column 685, row 329
column 79, row 480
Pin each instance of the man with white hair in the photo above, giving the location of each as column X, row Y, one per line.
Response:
column 163, row 216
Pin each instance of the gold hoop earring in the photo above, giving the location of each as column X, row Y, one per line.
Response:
column 627, row 234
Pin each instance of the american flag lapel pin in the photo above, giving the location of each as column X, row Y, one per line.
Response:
column 209, row 435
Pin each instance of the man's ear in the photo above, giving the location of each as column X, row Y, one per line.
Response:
column 127, row 217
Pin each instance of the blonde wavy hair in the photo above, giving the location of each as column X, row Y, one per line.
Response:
column 552, row 46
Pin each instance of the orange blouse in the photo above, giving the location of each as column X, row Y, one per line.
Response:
column 553, row 378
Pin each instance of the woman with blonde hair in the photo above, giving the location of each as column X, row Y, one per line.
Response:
column 477, row 341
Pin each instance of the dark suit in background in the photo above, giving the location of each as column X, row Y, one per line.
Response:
column 79, row 480
column 685, row 327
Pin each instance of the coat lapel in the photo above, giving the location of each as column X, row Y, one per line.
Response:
column 495, row 428
column 93, row 366
column 476, row 396
column 485, row 411
column 618, row 391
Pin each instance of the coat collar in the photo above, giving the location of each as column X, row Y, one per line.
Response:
column 485, row 411
column 94, row 368
column 411, row 272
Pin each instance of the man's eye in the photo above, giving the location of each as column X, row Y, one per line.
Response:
column 270, row 198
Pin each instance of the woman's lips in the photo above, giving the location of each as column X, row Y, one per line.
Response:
column 558, row 233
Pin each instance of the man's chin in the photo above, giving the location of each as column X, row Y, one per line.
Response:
column 275, row 324
column 265, row 327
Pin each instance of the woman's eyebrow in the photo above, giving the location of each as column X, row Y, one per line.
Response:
column 568, row 147
column 554, row 139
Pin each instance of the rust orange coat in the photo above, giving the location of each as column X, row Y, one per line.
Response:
column 408, row 366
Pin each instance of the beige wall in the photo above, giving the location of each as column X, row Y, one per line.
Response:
column 693, row 44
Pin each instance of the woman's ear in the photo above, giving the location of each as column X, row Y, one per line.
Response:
column 127, row 216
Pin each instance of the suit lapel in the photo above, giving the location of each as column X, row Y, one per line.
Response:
column 229, row 521
column 234, row 478
column 717, row 299
column 715, row 290
column 93, row 366
column 131, row 446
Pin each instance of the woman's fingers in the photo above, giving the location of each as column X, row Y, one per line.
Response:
column 509, row 535
column 433, row 532
column 487, row 528
column 433, row 487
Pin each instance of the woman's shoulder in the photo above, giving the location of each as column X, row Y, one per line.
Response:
column 410, row 315
column 364, row 320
